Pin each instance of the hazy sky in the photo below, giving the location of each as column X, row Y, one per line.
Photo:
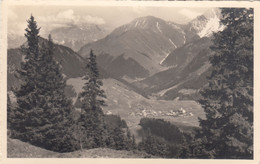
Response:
column 49, row 17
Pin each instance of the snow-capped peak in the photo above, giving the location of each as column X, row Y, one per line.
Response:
column 212, row 25
column 208, row 23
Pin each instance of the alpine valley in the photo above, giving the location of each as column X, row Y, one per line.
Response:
column 146, row 65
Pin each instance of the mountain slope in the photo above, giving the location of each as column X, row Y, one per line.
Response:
column 75, row 37
column 72, row 64
column 14, row 41
column 189, row 66
column 140, row 45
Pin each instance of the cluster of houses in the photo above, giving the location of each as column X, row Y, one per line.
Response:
column 151, row 113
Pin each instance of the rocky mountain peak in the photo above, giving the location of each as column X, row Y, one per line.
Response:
column 208, row 23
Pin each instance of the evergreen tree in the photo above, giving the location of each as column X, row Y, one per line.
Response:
column 119, row 136
column 121, row 142
column 96, row 129
column 58, row 108
column 227, row 131
column 92, row 116
column 154, row 145
column 10, row 115
column 27, row 75
column 43, row 113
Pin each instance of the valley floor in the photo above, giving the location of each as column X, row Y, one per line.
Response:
column 131, row 106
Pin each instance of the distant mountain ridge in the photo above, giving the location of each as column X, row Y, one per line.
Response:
column 72, row 36
column 75, row 36
column 14, row 40
column 140, row 47
column 152, row 56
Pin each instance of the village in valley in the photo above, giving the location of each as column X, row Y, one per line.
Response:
column 152, row 113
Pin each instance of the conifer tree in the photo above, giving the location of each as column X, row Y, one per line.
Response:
column 10, row 114
column 26, row 95
column 92, row 116
column 121, row 142
column 58, row 108
column 227, row 131
column 154, row 145
column 43, row 114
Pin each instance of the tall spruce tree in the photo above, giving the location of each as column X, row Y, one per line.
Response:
column 227, row 131
column 26, row 95
column 43, row 114
column 92, row 117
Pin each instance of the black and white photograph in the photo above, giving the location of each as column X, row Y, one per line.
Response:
column 130, row 81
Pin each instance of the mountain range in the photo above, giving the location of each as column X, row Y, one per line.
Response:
column 139, row 46
column 72, row 36
column 75, row 36
column 153, row 56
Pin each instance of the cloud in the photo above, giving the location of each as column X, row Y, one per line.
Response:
column 66, row 18
column 189, row 13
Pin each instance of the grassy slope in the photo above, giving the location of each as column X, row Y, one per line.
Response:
column 19, row 149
